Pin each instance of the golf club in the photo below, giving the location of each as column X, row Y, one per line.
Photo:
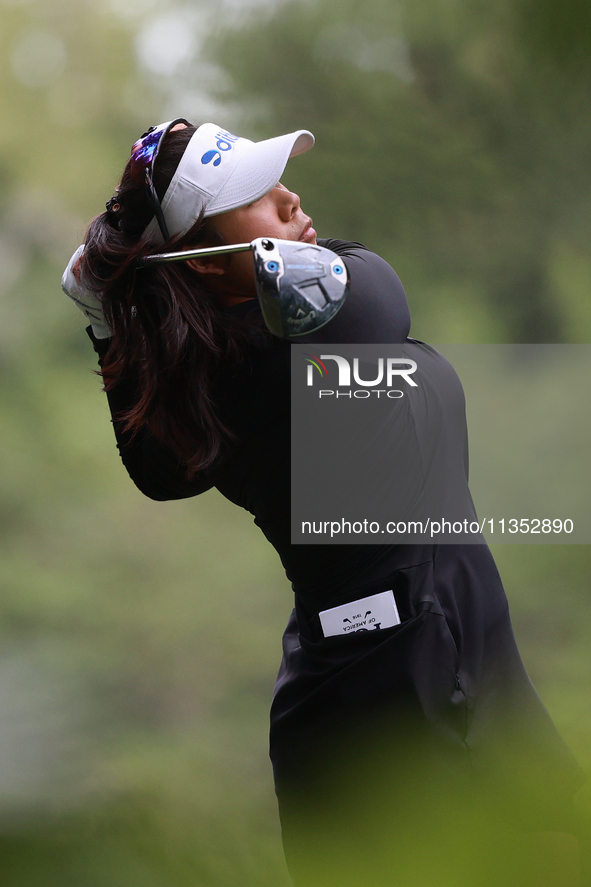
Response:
column 300, row 286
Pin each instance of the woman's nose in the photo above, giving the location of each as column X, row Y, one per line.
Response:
column 289, row 203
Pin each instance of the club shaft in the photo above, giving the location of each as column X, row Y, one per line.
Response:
column 185, row 254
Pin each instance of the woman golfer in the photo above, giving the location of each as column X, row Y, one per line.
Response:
column 386, row 744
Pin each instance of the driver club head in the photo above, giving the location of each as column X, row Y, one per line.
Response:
column 300, row 286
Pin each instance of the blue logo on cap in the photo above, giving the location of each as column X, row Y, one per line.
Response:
column 209, row 155
column 224, row 142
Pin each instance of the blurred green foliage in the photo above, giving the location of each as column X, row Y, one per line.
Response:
column 140, row 639
column 447, row 144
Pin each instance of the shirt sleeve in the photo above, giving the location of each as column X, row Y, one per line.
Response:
column 376, row 309
column 152, row 466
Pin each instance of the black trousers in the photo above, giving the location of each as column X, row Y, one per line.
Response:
column 406, row 753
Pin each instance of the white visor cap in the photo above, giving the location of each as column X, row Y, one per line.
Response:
column 220, row 171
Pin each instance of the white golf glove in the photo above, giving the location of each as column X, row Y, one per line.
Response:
column 87, row 301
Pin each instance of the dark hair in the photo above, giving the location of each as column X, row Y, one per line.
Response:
column 169, row 334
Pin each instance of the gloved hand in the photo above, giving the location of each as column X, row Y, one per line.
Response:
column 87, row 301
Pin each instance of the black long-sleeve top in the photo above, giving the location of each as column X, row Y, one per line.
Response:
column 254, row 403
column 461, row 649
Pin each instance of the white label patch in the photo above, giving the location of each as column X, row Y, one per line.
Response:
column 367, row 614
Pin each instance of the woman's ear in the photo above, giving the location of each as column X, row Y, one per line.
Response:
column 206, row 266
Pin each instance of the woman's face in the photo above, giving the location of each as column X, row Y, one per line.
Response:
column 278, row 214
